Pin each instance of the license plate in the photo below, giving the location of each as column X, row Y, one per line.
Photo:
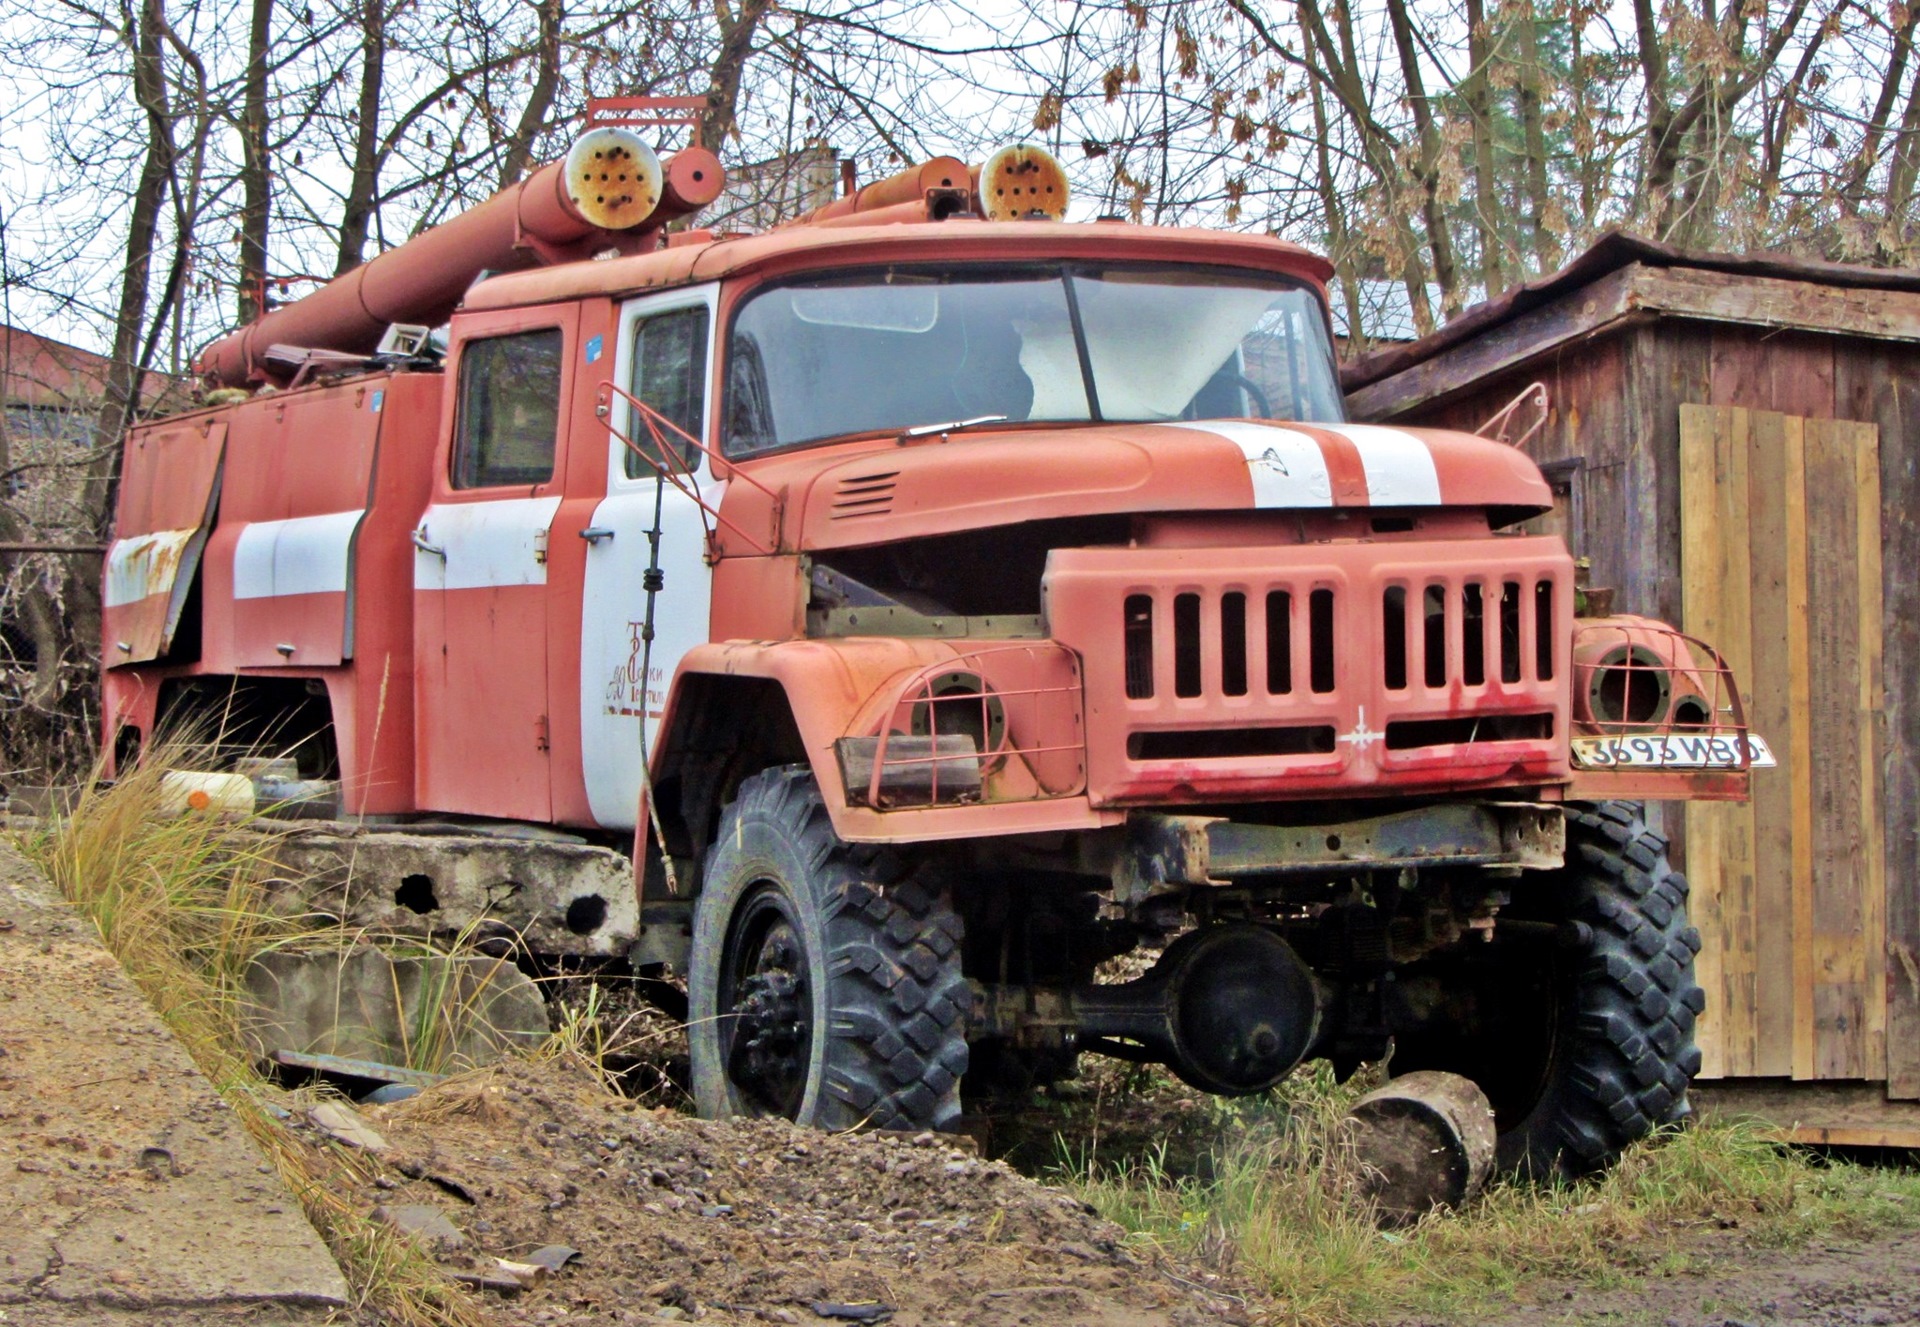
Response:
column 1673, row 751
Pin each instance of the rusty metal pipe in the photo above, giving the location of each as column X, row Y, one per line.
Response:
column 556, row 214
column 908, row 186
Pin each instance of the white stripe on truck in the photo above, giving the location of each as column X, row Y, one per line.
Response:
column 301, row 555
column 1288, row 468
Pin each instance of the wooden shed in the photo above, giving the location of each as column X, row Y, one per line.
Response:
column 1735, row 442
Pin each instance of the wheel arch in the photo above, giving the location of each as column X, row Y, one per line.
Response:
column 738, row 708
column 717, row 730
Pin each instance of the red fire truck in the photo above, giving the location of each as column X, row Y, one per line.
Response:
column 933, row 599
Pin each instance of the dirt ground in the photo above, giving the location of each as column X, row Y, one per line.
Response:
column 678, row 1218
column 109, row 1135
column 1868, row 1284
column 756, row 1221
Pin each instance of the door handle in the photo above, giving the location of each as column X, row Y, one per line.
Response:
column 593, row 534
column 419, row 538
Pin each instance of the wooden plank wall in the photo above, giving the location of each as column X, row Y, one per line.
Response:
column 1606, row 410
column 1780, row 566
column 1880, row 383
column 1616, row 404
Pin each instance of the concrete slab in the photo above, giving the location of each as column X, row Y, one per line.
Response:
column 128, row 1185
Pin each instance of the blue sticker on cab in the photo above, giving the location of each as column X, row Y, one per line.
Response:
column 378, row 397
column 593, row 349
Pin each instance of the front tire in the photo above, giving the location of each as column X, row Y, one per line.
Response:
column 825, row 982
column 1590, row 1046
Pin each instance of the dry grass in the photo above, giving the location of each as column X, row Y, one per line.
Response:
column 178, row 901
column 1263, row 1203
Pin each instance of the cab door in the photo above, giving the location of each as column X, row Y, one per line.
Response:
column 664, row 357
column 480, row 568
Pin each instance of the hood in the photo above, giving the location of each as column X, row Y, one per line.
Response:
column 972, row 480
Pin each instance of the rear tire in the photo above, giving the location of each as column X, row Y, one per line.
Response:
column 1590, row 1047
column 824, row 981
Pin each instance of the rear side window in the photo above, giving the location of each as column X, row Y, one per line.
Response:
column 670, row 376
column 509, row 410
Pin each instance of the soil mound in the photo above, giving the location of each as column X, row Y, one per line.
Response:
column 756, row 1220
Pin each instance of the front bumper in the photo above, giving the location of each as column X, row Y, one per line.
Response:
column 1177, row 851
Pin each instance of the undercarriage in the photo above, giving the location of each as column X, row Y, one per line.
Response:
column 1523, row 944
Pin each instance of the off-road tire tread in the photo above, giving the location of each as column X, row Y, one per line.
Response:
column 897, row 1002
column 1632, row 1053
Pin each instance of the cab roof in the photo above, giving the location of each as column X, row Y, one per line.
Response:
column 800, row 248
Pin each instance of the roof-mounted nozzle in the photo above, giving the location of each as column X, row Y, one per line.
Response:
column 613, row 178
column 1022, row 182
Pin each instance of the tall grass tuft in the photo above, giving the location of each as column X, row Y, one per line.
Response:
column 179, row 902
column 1267, row 1205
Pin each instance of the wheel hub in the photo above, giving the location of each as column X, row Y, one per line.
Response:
column 772, row 1029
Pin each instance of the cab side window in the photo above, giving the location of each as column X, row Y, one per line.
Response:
column 670, row 376
column 509, row 416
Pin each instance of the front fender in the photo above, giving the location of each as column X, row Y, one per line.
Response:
column 844, row 686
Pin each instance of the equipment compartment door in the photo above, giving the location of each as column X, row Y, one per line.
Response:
column 480, row 568
column 665, row 359
column 169, row 493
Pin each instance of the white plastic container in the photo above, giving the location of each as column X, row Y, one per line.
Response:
column 183, row 791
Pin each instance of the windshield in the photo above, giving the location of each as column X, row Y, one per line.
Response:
column 828, row 356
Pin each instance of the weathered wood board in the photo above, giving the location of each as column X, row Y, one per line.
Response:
column 1780, row 568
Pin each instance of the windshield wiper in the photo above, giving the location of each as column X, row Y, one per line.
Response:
column 951, row 426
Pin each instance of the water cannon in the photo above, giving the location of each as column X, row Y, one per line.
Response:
column 613, row 179
column 1022, row 182
column 610, row 192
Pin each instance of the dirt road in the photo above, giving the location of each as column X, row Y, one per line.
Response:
column 1873, row 1283
column 130, row 1193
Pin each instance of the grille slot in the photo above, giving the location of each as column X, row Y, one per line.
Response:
column 1434, row 640
column 1409, row 734
column 1233, row 643
column 1186, row 645
column 1137, row 629
column 1393, row 637
column 1321, row 658
column 1314, row 739
column 1510, row 631
column 1543, row 630
column 1473, row 636
column 1279, row 643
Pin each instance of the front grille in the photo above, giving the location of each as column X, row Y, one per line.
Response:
column 1241, row 653
column 1450, row 636
column 1452, row 633
column 1306, row 669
